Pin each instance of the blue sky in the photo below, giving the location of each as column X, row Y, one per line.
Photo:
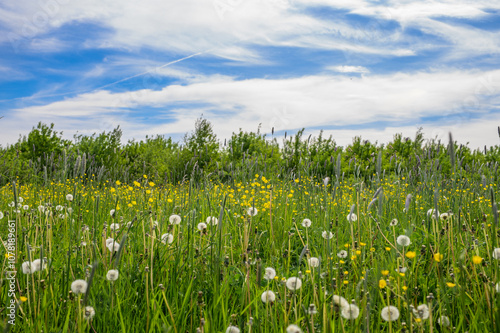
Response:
column 349, row 67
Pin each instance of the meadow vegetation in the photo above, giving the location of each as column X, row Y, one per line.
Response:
column 250, row 235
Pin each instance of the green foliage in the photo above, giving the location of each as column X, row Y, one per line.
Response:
column 44, row 155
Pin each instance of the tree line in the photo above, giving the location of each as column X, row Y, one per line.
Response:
column 44, row 155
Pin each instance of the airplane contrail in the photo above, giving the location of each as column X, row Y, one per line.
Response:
column 109, row 84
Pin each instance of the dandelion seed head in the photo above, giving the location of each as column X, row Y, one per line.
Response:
column 306, row 223
column 342, row 254
column 340, row 301
column 496, row 253
column 432, row 214
column 390, row 313
column 174, row 219
column 114, row 226
column 37, row 265
column 79, row 286
column 293, row 283
column 313, row 262
column 112, row 213
column 327, row 234
column 167, row 238
column 293, row 329
column 403, row 240
column 232, row 329
column 350, row 311
column 269, row 273
column 113, row 247
column 421, row 312
column 59, row 208
column 212, row 220
column 394, row 222
column 444, row 321
column 268, row 296
column 89, row 312
column 312, row 310
column 1, row 215
column 445, row 216
column 352, row 217
column 26, row 266
column 69, row 197
column 202, row 226
column 252, row 211
column 112, row 275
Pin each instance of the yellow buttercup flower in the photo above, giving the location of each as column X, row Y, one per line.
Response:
column 438, row 257
column 451, row 285
column 385, row 273
column 23, row 299
column 382, row 284
column 411, row 254
column 477, row 260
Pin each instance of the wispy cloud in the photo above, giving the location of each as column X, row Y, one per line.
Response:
column 156, row 65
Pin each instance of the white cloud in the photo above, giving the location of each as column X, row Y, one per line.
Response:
column 349, row 69
column 286, row 104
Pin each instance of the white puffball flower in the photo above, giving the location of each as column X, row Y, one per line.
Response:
column 422, row 311
column 403, row 240
column 202, row 226
column 112, row 213
column 270, row 273
column 444, row 321
column 79, row 286
column 268, row 296
column 1, row 215
column 389, row 313
column 109, row 241
column 11, row 204
column 313, row 262
column 129, row 224
column 167, row 238
column 445, row 216
column 37, row 265
column 114, row 226
column 351, row 217
column 212, row 220
column 233, row 329
column 252, row 211
column 293, row 283
column 41, row 208
column 306, row 223
column 327, row 234
column 432, row 213
column 393, row 223
column 20, row 199
column 26, row 266
column 89, row 312
column 293, row 329
column 326, row 181
column 70, row 210
column 497, row 288
column 174, row 219
column 496, row 253
column 112, row 275
column 113, row 247
column 350, row 311
column 342, row 254
column 69, row 197
column 340, row 301
column 26, row 207
column 59, row 208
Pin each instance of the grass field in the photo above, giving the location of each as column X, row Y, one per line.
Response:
column 267, row 255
